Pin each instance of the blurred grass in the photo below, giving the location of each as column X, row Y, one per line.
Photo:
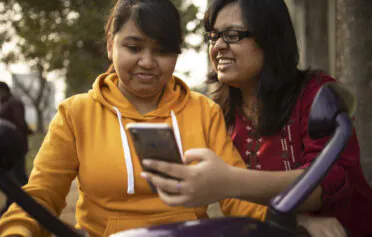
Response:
column 34, row 142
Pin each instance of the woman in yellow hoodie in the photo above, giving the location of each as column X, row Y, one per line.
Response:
column 87, row 137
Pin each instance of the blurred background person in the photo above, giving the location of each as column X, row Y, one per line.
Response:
column 12, row 110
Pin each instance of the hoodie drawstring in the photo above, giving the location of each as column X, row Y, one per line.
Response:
column 127, row 155
column 177, row 133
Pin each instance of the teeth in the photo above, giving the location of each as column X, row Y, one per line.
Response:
column 225, row 61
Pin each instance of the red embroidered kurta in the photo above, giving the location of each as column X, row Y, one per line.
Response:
column 346, row 194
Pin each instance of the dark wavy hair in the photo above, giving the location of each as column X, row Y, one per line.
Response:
column 281, row 80
column 157, row 19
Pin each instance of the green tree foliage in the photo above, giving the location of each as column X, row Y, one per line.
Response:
column 67, row 36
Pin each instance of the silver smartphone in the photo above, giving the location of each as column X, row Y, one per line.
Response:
column 155, row 141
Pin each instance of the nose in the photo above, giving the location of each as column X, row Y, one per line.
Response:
column 220, row 44
column 147, row 60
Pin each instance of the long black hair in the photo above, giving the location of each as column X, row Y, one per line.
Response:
column 281, row 80
column 157, row 19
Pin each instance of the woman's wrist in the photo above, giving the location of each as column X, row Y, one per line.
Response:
column 232, row 187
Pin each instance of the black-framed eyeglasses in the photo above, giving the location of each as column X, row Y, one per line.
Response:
column 228, row 36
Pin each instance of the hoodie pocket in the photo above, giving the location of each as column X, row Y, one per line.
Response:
column 117, row 224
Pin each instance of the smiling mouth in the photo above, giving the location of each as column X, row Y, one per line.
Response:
column 145, row 76
column 224, row 63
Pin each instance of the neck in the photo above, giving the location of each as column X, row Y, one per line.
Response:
column 248, row 92
column 143, row 105
column 249, row 101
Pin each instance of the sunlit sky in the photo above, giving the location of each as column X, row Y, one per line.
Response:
column 189, row 62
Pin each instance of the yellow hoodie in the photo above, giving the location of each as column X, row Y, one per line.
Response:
column 87, row 140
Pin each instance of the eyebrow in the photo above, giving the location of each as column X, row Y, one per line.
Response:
column 134, row 38
column 230, row 27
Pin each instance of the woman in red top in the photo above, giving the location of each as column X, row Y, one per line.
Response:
column 266, row 100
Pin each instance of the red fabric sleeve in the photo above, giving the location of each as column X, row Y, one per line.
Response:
column 336, row 190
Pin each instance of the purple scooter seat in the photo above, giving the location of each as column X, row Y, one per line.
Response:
column 217, row 227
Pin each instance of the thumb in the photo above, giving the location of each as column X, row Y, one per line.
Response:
column 196, row 154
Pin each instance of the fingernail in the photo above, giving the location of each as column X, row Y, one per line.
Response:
column 144, row 175
column 146, row 162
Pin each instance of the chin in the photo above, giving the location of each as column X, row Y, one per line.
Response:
column 228, row 80
column 145, row 92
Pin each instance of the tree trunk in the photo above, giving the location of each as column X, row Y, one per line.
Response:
column 40, row 119
column 40, row 97
column 317, row 55
column 353, row 67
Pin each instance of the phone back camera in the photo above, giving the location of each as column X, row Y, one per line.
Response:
column 134, row 135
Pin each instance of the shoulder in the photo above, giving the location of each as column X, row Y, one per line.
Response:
column 316, row 81
column 76, row 100
column 204, row 102
column 75, row 103
column 310, row 88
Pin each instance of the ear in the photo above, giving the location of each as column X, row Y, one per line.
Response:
column 109, row 46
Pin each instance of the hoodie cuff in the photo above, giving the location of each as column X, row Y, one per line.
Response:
column 16, row 230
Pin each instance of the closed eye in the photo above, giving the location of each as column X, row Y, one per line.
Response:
column 160, row 51
column 133, row 48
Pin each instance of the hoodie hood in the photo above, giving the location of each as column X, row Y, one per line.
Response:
column 105, row 91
